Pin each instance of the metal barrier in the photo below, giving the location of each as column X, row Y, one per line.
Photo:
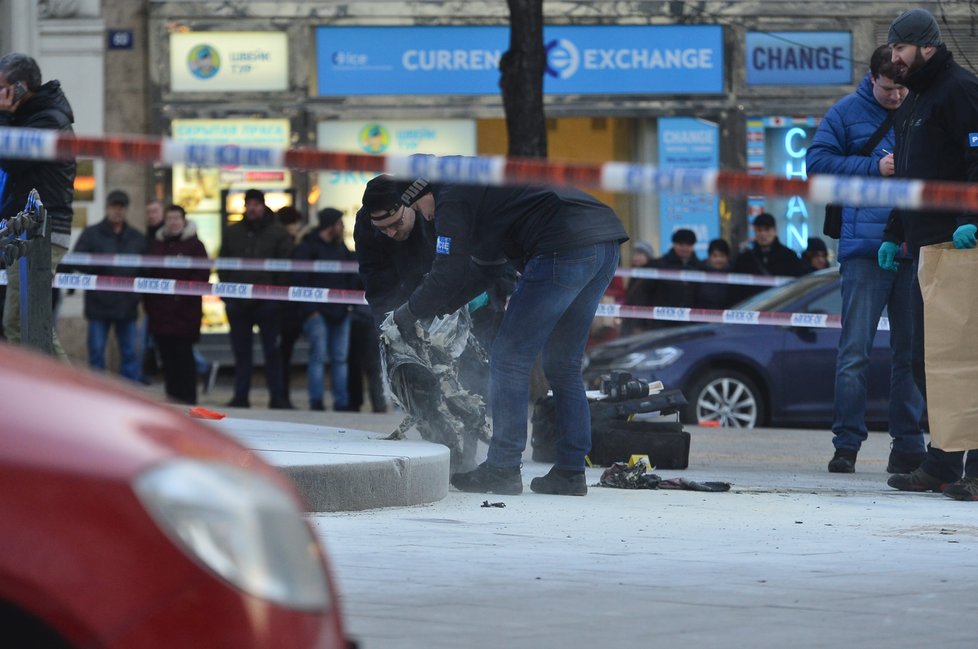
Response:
column 25, row 239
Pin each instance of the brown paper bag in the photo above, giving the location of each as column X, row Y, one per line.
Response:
column 949, row 285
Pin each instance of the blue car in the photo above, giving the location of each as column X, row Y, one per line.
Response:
column 753, row 375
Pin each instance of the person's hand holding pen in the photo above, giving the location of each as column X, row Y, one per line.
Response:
column 887, row 167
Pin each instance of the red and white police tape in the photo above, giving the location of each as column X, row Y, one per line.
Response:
column 37, row 144
column 319, row 266
column 312, row 294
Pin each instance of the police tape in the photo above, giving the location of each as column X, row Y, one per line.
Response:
column 40, row 144
column 158, row 286
column 322, row 266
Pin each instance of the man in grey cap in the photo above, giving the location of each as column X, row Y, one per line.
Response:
column 106, row 310
column 936, row 139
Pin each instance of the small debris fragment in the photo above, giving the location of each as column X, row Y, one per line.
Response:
column 486, row 503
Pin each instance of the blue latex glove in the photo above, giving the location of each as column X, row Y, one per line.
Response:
column 478, row 302
column 964, row 236
column 887, row 256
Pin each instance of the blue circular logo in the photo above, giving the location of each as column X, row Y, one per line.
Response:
column 563, row 59
column 374, row 138
column 203, row 61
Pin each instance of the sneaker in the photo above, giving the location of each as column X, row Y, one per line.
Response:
column 560, row 483
column 963, row 489
column 238, row 403
column 916, row 480
column 844, row 461
column 905, row 462
column 485, row 479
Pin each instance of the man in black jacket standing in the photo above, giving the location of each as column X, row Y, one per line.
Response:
column 767, row 255
column 258, row 236
column 569, row 244
column 27, row 103
column 936, row 139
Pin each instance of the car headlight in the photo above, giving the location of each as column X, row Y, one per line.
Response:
column 241, row 526
column 653, row 359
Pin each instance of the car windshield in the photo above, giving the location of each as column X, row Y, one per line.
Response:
column 776, row 297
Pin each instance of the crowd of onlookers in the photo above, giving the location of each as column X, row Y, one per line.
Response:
column 765, row 255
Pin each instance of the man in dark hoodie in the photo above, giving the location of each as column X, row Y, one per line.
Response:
column 258, row 236
column 26, row 102
column 936, row 139
column 767, row 255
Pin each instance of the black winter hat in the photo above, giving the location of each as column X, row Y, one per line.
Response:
column 117, row 197
column 328, row 216
column 684, row 236
column 915, row 27
column 255, row 195
column 764, row 220
column 385, row 193
column 816, row 245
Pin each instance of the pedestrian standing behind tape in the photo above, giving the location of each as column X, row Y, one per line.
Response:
column 936, row 139
column 766, row 256
column 174, row 320
column 569, row 243
column 27, row 103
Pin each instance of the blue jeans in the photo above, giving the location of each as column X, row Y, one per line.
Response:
column 125, row 334
column 866, row 289
column 550, row 311
column 334, row 336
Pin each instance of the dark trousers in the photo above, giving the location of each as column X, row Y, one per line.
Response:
column 179, row 369
column 243, row 316
column 364, row 363
column 944, row 465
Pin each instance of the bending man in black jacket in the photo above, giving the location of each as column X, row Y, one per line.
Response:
column 569, row 242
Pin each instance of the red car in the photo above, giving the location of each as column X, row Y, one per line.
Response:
column 125, row 524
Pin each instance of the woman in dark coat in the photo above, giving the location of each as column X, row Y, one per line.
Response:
column 174, row 320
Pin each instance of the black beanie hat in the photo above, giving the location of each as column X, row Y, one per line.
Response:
column 255, row 195
column 328, row 216
column 684, row 236
column 915, row 27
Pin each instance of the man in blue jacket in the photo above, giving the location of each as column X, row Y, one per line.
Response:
column 837, row 148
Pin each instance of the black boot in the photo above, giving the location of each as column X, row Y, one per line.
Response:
column 560, row 482
column 485, row 479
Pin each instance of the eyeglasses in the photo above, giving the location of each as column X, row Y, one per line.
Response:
column 394, row 225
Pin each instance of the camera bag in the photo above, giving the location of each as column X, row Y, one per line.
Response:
column 613, row 437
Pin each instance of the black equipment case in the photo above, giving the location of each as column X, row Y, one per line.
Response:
column 613, row 437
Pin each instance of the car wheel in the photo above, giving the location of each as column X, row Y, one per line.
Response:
column 727, row 397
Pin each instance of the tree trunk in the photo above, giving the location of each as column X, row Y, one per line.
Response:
column 521, row 80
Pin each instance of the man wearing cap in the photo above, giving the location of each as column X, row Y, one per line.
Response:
column 766, row 255
column 326, row 324
column 258, row 235
column 936, row 139
column 393, row 260
column 113, row 309
column 568, row 243
column 675, row 293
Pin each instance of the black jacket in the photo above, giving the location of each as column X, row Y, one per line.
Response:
column 932, row 128
column 264, row 238
column 715, row 295
column 777, row 260
column 48, row 108
column 391, row 270
column 670, row 292
column 479, row 228
column 100, row 238
column 314, row 248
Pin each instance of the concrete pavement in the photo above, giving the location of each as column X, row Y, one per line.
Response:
column 792, row 556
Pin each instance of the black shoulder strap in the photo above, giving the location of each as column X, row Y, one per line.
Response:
column 875, row 138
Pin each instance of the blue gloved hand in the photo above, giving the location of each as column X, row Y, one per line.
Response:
column 887, row 256
column 964, row 236
column 478, row 302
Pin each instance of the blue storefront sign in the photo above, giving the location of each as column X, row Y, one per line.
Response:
column 688, row 143
column 798, row 58
column 451, row 60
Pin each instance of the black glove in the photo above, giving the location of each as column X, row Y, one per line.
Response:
column 405, row 320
